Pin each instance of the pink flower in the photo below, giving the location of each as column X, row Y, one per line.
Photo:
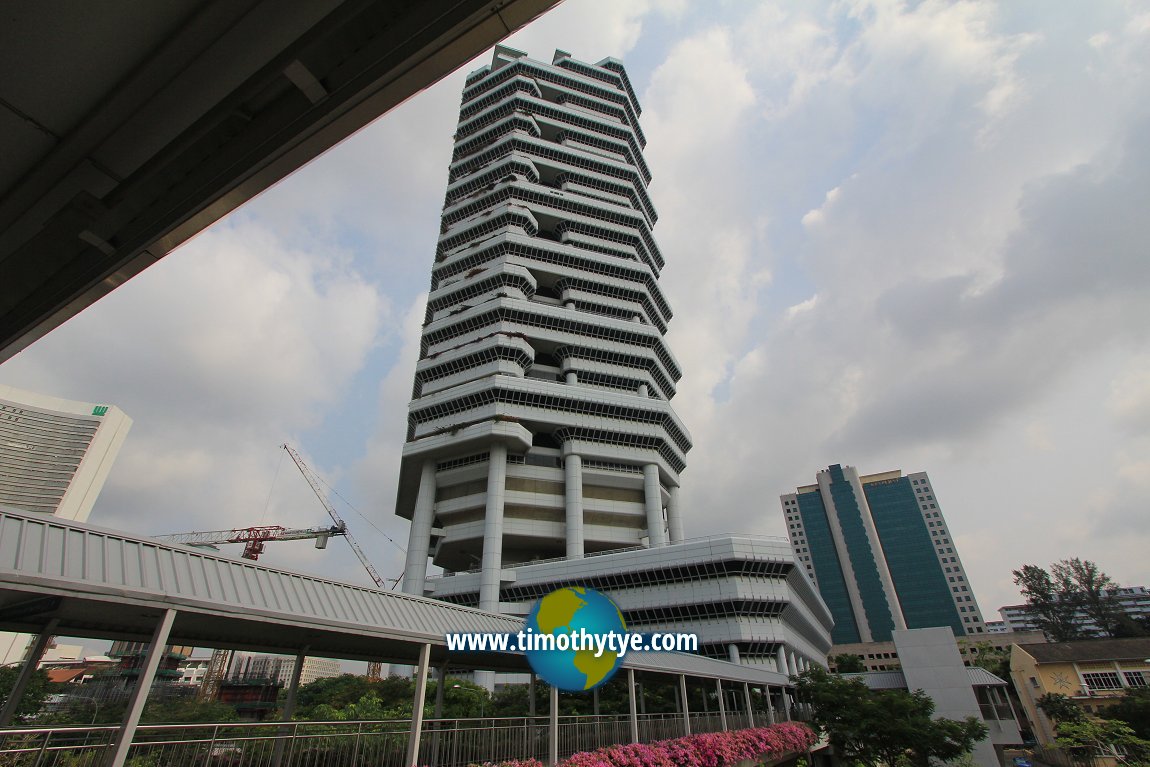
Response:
column 712, row 749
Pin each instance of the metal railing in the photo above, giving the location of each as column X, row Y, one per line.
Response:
column 444, row 742
column 996, row 711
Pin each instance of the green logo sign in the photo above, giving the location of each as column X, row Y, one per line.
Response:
column 100, row 410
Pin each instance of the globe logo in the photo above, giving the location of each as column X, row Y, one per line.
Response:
column 575, row 611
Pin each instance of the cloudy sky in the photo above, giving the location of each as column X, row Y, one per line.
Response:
column 898, row 235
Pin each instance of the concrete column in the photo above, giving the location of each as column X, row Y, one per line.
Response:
column 781, row 660
column 786, row 704
column 417, row 706
column 686, row 707
column 747, row 701
column 139, row 697
column 644, row 391
column 722, row 704
column 573, row 468
column 632, row 708
column 791, row 664
column 654, row 503
column 492, row 563
column 770, row 707
column 733, row 653
column 674, row 515
column 571, row 378
column 31, row 661
column 419, row 536
column 491, row 566
column 553, row 729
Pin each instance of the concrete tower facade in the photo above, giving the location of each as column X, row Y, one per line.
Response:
column 881, row 554
column 540, row 424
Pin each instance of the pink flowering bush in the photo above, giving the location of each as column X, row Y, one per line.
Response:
column 712, row 749
column 511, row 763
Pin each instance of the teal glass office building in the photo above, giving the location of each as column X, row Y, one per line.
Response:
column 881, row 554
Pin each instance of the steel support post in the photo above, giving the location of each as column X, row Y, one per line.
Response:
column 31, row 661
column 747, row 701
column 143, row 686
column 289, row 705
column 553, row 729
column 417, row 706
column 686, row 708
column 632, row 708
column 722, row 704
column 440, row 684
column 418, row 700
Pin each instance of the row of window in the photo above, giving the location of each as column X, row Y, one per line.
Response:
column 551, row 403
column 615, row 78
column 517, row 120
column 525, row 68
column 52, row 422
column 546, row 255
column 537, row 107
column 630, row 336
column 474, row 232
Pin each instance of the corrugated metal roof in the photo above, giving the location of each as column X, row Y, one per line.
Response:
column 1136, row 648
column 896, row 680
column 881, row 680
column 106, row 583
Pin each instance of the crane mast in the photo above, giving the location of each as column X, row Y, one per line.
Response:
column 313, row 480
column 374, row 668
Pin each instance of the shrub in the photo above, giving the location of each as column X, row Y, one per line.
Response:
column 713, row 749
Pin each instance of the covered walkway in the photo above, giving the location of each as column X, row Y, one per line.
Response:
column 59, row 577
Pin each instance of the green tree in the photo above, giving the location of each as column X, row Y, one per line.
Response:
column 1085, row 738
column 1050, row 601
column 181, row 711
column 1060, row 708
column 1093, row 591
column 892, row 727
column 346, row 689
column 1133, row 708
column 996, row 660
column 34, row 694
column 847, row 663
column 1071, row 590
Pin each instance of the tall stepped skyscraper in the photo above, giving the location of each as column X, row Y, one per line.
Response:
column 540, row 424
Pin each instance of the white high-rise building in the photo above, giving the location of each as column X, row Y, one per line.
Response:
column 541, row 424
column 542, row 449
column 55, row 454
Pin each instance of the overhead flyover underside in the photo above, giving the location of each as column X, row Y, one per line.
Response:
column 127, row 127
column 107, row 584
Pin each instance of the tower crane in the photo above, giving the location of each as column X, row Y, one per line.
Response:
column 374, row 668
column 254, row 538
